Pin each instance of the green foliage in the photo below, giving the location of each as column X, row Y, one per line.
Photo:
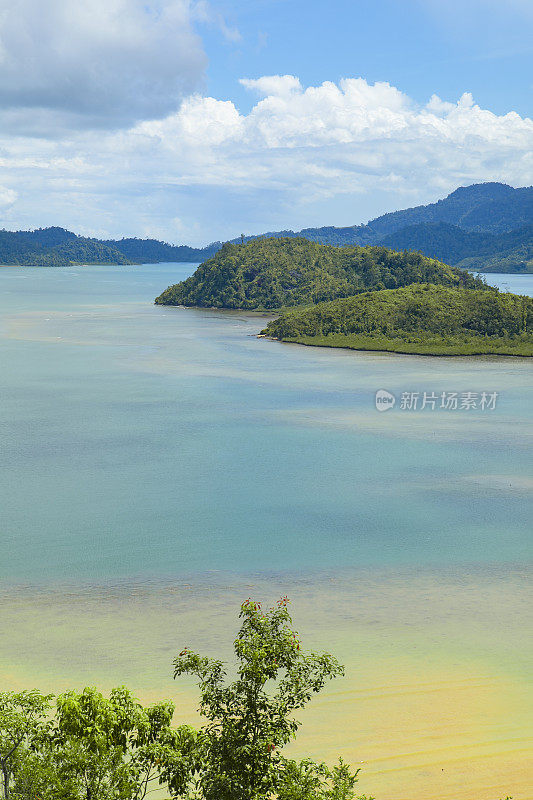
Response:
column 111, row 748
column 55, row 247
column 251, row 719
column 486, row 252
column 515, row 258
column 99, row 748
column 22, row 716
column 95, row 748
column 276, row 273
column 416, row 319
column 307, row 780
column 152, row 251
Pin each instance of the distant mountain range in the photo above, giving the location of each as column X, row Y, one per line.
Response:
column 486, row 226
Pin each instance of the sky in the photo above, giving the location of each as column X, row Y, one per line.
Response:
column 197, row 120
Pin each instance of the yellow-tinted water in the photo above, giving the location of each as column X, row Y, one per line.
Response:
column 436, row 700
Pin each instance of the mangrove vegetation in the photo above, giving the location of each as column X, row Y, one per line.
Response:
column 421, row 318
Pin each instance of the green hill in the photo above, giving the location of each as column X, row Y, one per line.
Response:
column 515, row 261
column 486, row 207
column 278, row 273
column 421, row 318
column 152, row 251
column 55, row 247
column 469, row 228
column 511, row 251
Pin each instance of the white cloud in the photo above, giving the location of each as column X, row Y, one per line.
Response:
column 295, row 152
column 348, row 133
column 94, row 63
column 278, row 85
column 7, row 197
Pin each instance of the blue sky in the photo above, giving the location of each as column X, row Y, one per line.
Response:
column 196, row 120
column 422, row 47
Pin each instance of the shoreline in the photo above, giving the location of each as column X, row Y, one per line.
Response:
column 369, row 349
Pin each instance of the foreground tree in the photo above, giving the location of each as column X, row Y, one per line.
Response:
column 113, row 748
column 22, row 716
column 251, row 719
column 95, row 748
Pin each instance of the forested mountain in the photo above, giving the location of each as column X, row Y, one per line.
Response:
column 488, row 207
column 276, row 273
column 473, row 223
column 55, row 247
column 516, row 259
column 482, row 207
column 151, row 251
column 354, row 234
column 426, row 319
column 467, row 249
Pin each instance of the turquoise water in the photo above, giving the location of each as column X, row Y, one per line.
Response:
column 143, row 443
column 159, row 465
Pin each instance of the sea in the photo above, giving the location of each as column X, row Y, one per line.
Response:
column 160, row 465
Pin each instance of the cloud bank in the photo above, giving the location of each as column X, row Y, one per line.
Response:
column 299, row 153
column 95, row 63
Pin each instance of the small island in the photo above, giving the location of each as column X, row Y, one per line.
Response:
column 273, row 274
column 361, row 298
column 421, row 319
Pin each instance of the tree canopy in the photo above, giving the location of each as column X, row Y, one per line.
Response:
column 251, row 719
column 276, row 273
column 428, row 318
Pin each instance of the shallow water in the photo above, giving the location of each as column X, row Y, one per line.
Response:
column 160, row 464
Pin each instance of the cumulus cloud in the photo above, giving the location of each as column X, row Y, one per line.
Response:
column 338, row 137
column 297, row 150
column 96, row 62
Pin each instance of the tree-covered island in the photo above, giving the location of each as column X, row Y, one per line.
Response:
column 422, row 318
column 363, row 298
column 271, row 273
